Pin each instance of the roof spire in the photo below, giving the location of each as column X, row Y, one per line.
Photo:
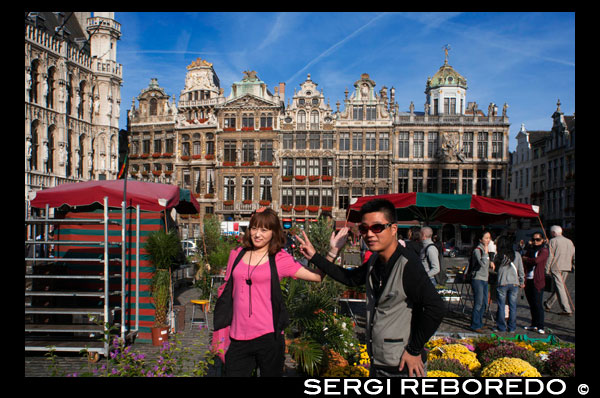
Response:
column 446, row 48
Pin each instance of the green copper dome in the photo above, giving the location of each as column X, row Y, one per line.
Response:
column 445, row 77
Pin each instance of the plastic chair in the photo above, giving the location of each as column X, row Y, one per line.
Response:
column 204, row 308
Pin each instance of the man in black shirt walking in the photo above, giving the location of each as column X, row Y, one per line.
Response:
column 403, row 308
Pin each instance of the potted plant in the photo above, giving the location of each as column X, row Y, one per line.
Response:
column 163, row 249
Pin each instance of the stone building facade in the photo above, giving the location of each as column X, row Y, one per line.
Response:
column 72, row 98
column 249, row 149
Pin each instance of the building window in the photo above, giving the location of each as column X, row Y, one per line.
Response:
column 402, row 180
column 287, row 196
column 229, row 121
column 327, row 166
column 482, row 182
column 266, row 184
column 370, row 168
column 467, row 181
column 450, row 106
column 300, row 196
column 496, row 188
column 248, row 151
column 187, row 181
column 210, row 181
column 315, row 141
column 146, row 147
column 357, row 112
column 229, row 187
column 403, row 144
column 344, row 142
column 266, row 150
column 436, row 103
column 497, row 145
column 418, row 144
column 357, row 141
column 482, row 145
column 432, row 144
column 229, row 152
column 301, row 120
column 313, row 166
column 357, row 192
column 248, row 120
column 313, row 197
column 468, row 145
column 300, row 140
column 197, row 146
column 384, row 142
column 153, row 106
column 343, row 198
column 450, row 181
column 370, row 142
column 383, row 190
column 417, row 177
column 210, row 144
column 288, row 141
column 344, row 171
column 287, row 167
column 371, row 112
column 383, row 169
column 266, row 120
column 432, row 180
column 357, row 168
column 327, row 141
column 327, row 197
column 314, row 120
column 300, row 166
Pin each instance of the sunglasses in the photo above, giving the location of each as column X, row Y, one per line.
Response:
column 538, row 239
column 376, row 228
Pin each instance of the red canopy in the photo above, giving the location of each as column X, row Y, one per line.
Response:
column 150, row 196
column 449, row 208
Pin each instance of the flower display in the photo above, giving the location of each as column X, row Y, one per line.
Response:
column 505, row 365
column 346, row 371
column 440, row 373
column 510, row 350
column 456, row 351
column 561, row 362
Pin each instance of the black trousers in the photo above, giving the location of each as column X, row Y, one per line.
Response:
column 535, row 298
column 266, row 352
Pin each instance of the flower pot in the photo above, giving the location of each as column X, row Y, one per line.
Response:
column 159, row 335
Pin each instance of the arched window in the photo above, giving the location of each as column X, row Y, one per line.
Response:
column 50, row 161
column 314, row 120
column 153, row 106
column 50, row 81
column 185, row 145
column 34, row 145
column 33, row 92
column 301, row 118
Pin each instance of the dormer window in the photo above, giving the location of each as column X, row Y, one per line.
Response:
column 301, row 101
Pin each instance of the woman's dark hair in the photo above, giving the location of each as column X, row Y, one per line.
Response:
column 380, row 205
column 479, row 236
column 266, row 219
column 504, row 247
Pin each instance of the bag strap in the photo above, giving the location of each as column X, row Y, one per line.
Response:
column 236, row 261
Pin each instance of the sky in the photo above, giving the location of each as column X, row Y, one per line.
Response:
column 524, row 59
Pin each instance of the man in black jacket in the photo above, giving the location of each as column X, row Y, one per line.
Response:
column 403, row 308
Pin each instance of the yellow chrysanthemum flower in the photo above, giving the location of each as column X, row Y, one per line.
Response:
column 458, row 352
column 505, row 365
column 440, row 373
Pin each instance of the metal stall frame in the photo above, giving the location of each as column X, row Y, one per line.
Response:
column 44, row 343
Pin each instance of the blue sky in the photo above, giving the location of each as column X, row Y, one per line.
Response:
column 524, row 59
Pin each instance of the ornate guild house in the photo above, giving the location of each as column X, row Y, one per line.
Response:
column 249, row 149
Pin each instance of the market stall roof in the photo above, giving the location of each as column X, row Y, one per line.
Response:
column 150, row 196
column 450, row 208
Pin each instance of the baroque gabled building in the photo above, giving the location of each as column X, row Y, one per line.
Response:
column 364, row 155
column 248, row 140
column 72, row 98
column 307, row 155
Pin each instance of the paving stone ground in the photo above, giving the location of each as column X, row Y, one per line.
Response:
column 456, row 323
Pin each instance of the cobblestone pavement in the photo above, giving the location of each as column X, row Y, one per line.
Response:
column 456, row 322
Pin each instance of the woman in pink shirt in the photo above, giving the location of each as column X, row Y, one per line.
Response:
column 254, row 340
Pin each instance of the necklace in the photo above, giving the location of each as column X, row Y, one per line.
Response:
column 249, row 281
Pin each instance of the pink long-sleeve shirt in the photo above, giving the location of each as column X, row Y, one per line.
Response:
column 250, row 323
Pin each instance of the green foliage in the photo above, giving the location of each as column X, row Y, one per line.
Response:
column 212, row 234
column 319, row 234
column 219, row 255
column 308, row 354
column 163, row 248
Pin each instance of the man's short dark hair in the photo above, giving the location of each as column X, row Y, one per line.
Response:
column 379, row 205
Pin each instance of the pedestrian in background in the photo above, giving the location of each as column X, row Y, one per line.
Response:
column 560, row 263
column 480, row 281
column 511, row 278
column 429, row 255
column 534, row 262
